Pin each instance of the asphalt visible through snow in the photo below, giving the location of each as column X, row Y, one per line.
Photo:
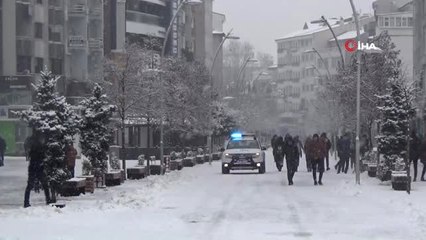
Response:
column 201, row 203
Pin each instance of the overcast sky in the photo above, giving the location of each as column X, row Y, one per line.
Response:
column 260, row 22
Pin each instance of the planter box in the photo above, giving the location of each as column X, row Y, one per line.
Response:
column 176, row 165
column 73, row 187
column 199, row 159
column 90, row 183
column 372, row 170
column 189, row 162
column 113, row 178
column 137, row 172
column 157, row 169
column 400, row 181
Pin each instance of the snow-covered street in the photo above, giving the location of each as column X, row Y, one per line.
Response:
column 201, row 203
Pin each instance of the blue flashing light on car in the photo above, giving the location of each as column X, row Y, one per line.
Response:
column 236, row 135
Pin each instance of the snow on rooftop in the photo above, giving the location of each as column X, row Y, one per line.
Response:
column 312, row 28
column 346, row 35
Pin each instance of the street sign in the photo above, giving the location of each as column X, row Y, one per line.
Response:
column 8, row 83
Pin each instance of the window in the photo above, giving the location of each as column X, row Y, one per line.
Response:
column 381, row 21
column 39, row 65
column 410, row 21
column 398, row 22
column 56, row 66
column 38, row 30
column 23, row 64
column 392, row 22
column 404, row 22
column 386, row 22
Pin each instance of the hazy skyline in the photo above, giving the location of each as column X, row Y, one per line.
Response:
column 261, row 22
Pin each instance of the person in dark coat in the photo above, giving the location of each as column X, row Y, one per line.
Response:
column 36, row 169
column 352, row 144
column 299, row 149
column 292, row 158
column 308, row 157
column 278, row 152
column 317, row 150
column 327, row 149
column 71, row 155
column 274, row 138
column 2, row 151
column 422, row 156
column 344, row 153
column 414, row 152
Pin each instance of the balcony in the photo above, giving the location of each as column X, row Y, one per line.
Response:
column 77, row 10
column 76, row 42
column 96, row 44
column 141, row 17
column 24, row 46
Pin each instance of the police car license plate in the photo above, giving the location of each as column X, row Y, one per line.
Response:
column 243, row 161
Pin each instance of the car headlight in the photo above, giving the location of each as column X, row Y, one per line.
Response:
column 227, row 155
column 257, row 155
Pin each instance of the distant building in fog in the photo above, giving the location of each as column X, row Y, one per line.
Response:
column 305, row 58
column 396, row 17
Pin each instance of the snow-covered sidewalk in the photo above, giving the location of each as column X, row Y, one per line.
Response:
column 201, row 203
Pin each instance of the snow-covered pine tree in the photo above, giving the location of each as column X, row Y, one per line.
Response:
column 52, row 116
column 397, row 109
column 96, row 134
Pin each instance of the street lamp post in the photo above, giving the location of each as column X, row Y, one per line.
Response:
column 243, row 67
column 163, row 53
column 358, row 98
column 209, row 140
column 324, row 20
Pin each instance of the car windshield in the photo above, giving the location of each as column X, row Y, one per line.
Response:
column 236, row 144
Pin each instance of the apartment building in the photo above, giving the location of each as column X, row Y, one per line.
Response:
column 305, row 59
column 419, row 60
column 396, row 17
column 32, row 35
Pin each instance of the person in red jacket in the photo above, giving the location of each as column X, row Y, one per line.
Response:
column 318, row 150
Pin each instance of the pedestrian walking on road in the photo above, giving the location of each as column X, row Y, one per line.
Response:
column 36, row 168
column 274, row 138
column 278, row 152
column 327, row 143
column 422, row 156
column 71, row 155
column 308, row 155
column 2, row 151
column 414, row 152
column 292, row 158
column 318, row 150
column 344, row 146
column 299, row 149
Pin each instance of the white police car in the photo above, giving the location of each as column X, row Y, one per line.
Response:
column 243, row 152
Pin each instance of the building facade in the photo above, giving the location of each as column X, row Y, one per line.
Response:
column 32, row 36
column 84, row 50
column 396, row 17
column 419, row 59
column 305, row 59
